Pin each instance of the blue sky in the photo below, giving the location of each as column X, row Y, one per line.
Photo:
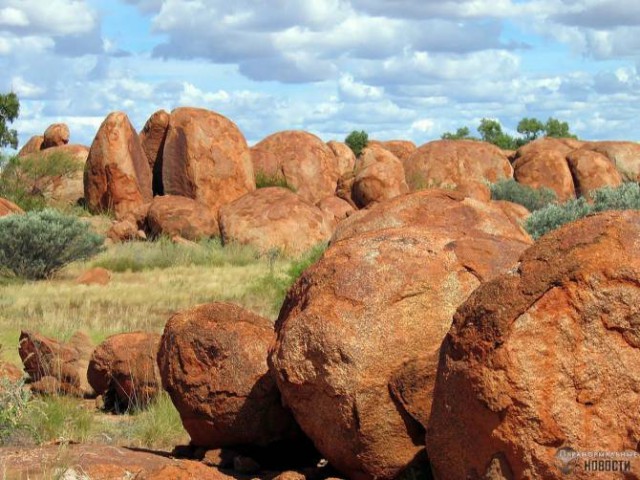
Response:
column 409, row 69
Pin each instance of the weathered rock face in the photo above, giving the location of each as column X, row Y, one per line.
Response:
column 206, row 158
column 307, row 163
column 275, row 217
column 624, row 155
column 55, row 367
column 476, row 190
column 125, row 365
column 117, row 176
column 433, row 209
column 266, row 166
column 7, row 207
column 591, row 170
column 213, row 362
column 173, row 215
column 352, row 323
column 446, row 163
column 379, row 176
column 33, row 145
column 544, row 357
column 546, row 168
column 560, row 145
column 344, row 155
column 336, row 208
column 55, row 135
column 402, row 149
column 152, row 138
column 516, row 212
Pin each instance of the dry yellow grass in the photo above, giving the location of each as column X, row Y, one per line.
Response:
column 132, row 301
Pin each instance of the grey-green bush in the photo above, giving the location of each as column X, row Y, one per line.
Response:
column 39, row 243
column 624, row 197
column 554, row 216
column 531, row 198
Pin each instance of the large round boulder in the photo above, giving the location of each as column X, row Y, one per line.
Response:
column 308, row 164
column 560, row 145
column 206, row 157
column 117, row 177
column 379, row 176
column 545, row 360
column 123, row 368
column 433, row 209
column 402, row 149
column 275, row 218
column 546, row 168
column 173, row 215
column 447, row 163
column 55, row 135
column 591, row 170
column 373, row 306
column 152, row 138
column 344, row 155
column 624, row 155
column 213, row 363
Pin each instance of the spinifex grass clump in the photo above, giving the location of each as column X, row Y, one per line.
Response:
column 38, row 244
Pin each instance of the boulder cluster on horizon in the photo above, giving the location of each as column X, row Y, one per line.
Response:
column 432, row 331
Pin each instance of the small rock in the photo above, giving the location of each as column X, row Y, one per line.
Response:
column 94, row 276
column 220, row 457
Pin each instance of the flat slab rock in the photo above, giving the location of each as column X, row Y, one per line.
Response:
column 103, row 462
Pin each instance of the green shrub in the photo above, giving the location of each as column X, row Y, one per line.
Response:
column 624, row 197
column 357, row 141
column 24, row 180
column 531, row 198
column 38, row 244
column 263, row 181
column 554, row 216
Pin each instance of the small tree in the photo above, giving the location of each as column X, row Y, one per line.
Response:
column 357, row 141
column 24, row 180
column 38, row 244
column 491, row 132
column 9, row 110
column 531, row 128
column 556, row 128
column 463, row 133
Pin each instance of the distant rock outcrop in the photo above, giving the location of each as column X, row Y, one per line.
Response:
column 275, row 218
column 307, row 163
column 379, row 176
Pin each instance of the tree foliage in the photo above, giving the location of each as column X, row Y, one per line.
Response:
column 529, row 129
column 357, row 141
column 25, row 180
column 9, row 111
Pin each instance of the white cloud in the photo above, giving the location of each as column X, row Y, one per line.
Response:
column 352, row 90
column 12, row 17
